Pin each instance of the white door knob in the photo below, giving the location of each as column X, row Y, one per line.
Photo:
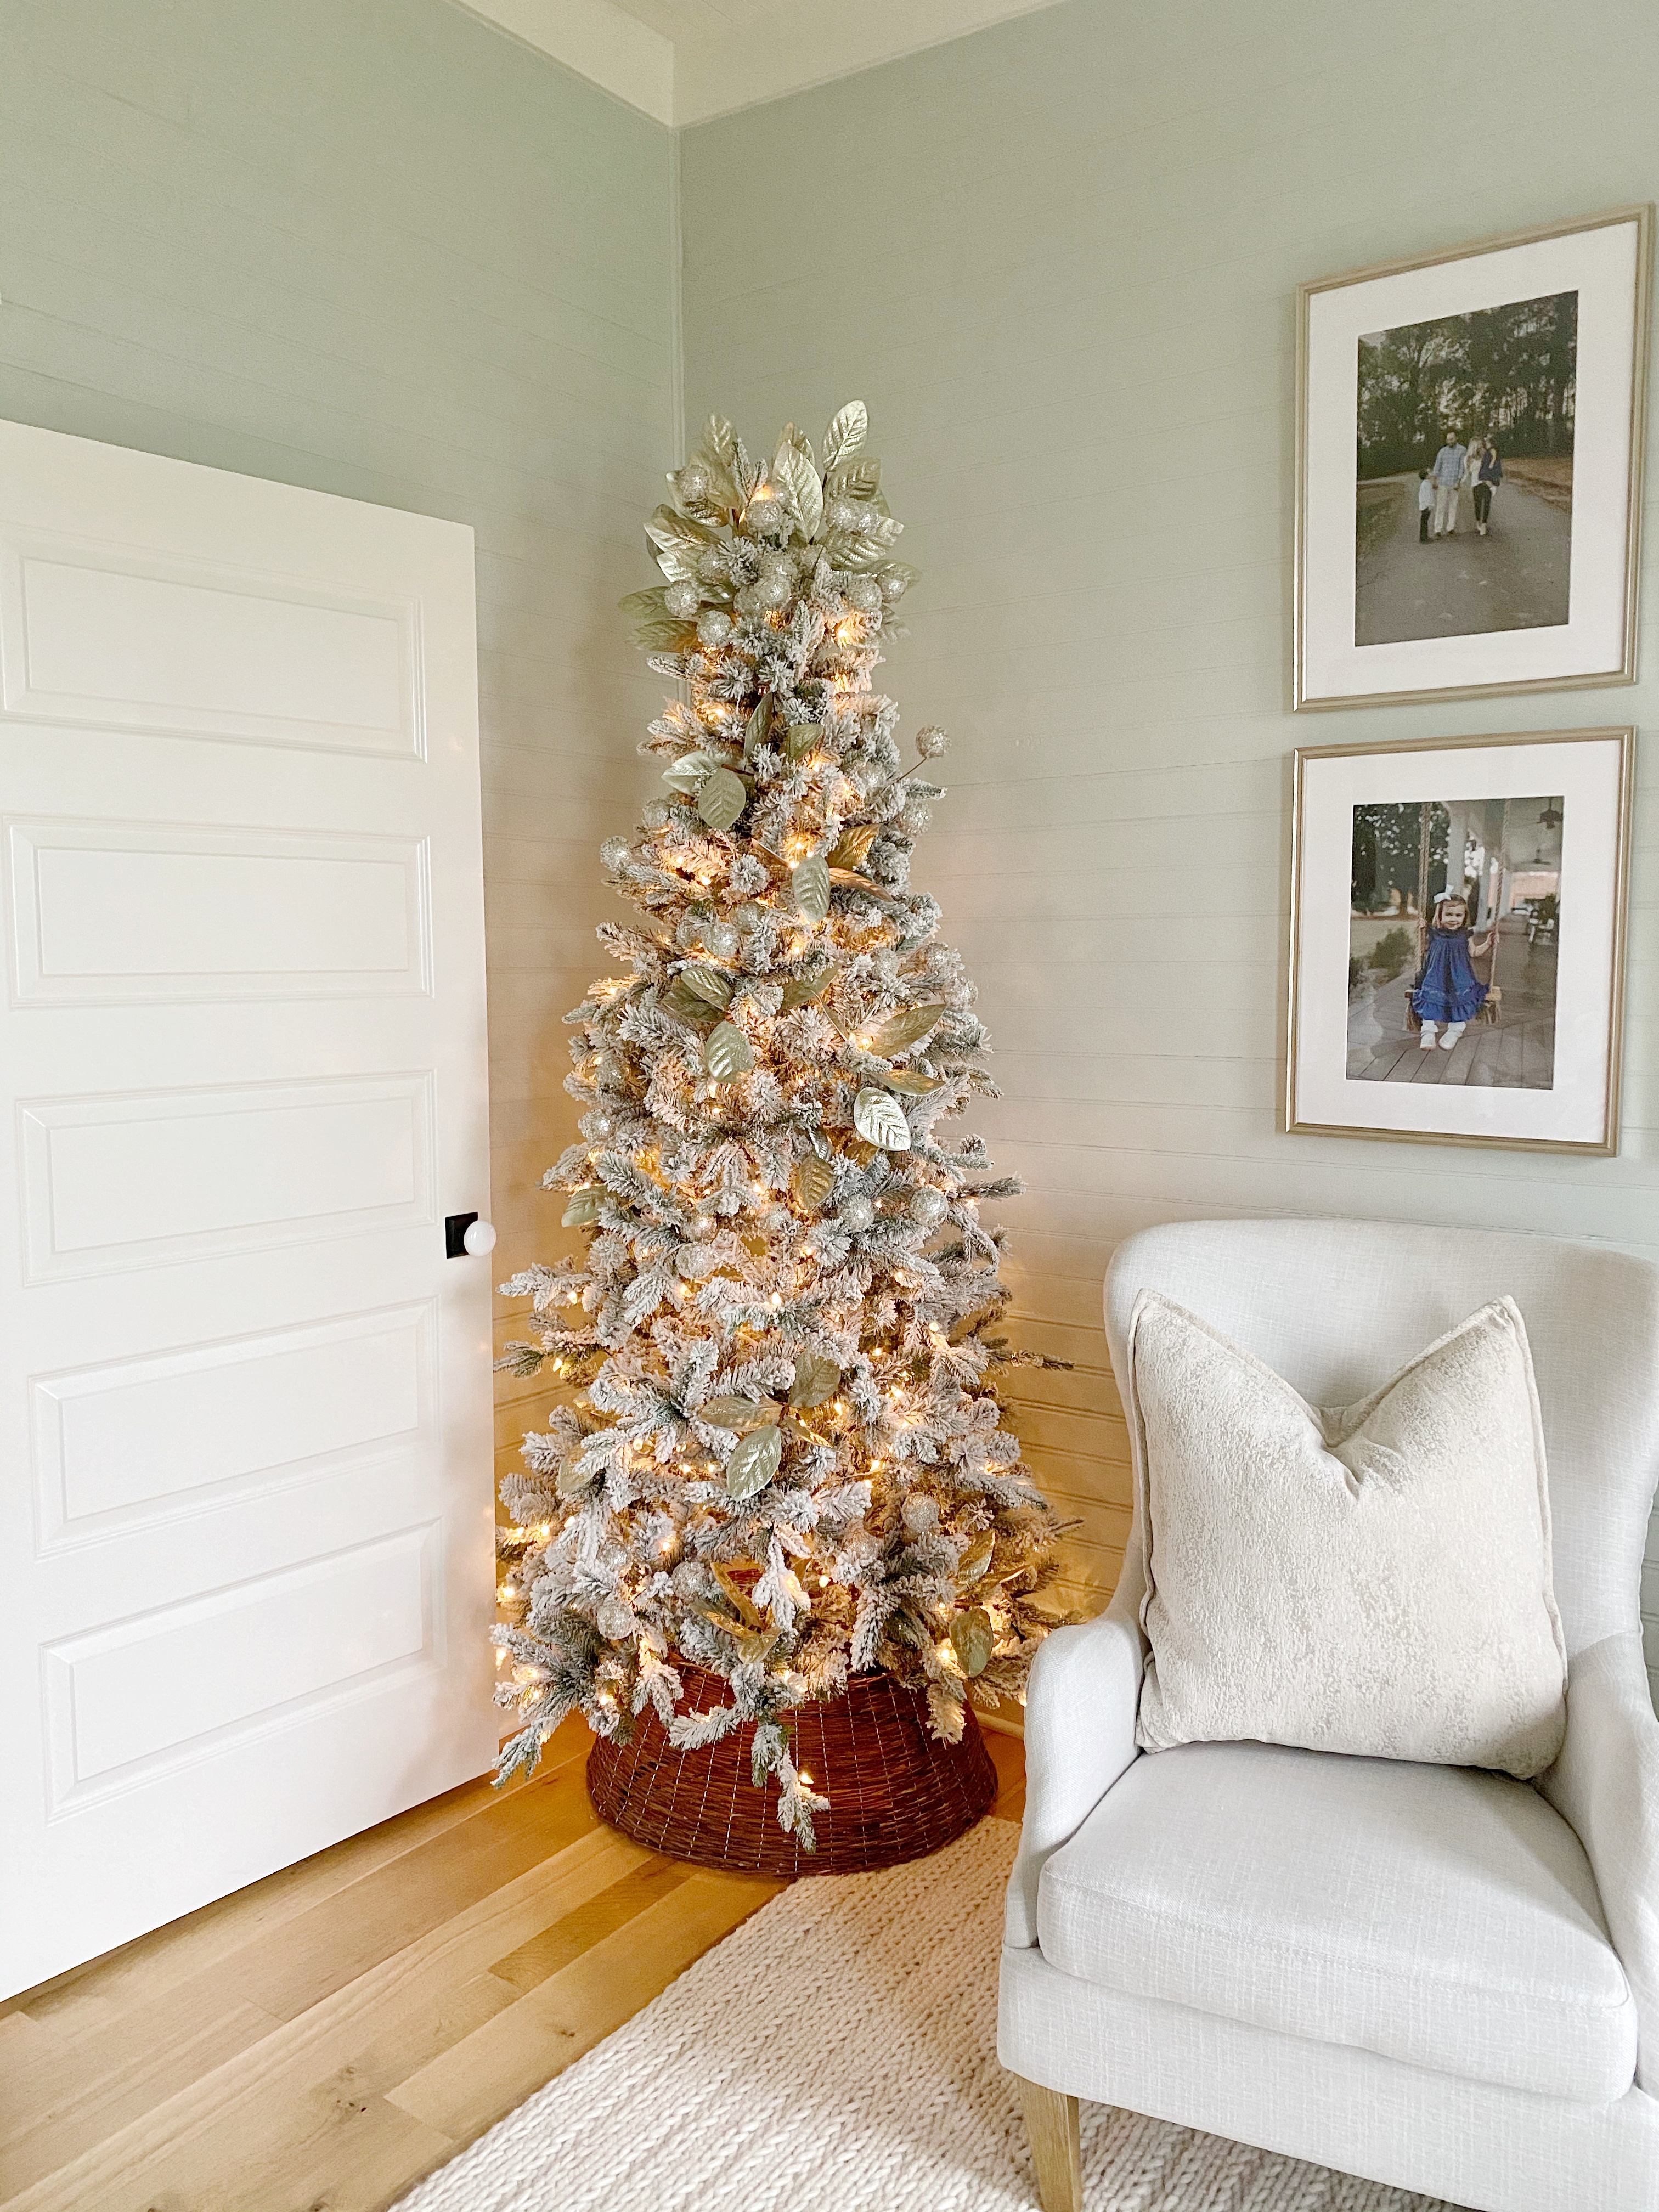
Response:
column 480, row 1238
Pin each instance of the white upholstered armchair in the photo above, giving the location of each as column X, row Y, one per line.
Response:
column 1439, row 1978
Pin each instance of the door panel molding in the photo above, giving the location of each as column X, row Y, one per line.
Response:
column 141, row 1697
column 121, row 913
column 133, row 1445
column 114, row 637
column 339, row 1157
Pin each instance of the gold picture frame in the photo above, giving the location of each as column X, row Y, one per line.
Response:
column 1595, row 772
column 1316, row 683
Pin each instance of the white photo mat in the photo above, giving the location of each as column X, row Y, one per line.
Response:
column 1605, row 263
column 1591, row 772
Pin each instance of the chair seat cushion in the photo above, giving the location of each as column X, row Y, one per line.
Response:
column 1433, row 1914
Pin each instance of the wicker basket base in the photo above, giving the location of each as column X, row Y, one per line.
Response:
column 895, row 1793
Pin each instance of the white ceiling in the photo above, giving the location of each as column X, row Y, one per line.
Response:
column 684, row 61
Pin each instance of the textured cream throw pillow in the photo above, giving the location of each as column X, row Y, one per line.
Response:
column 1374, row 1579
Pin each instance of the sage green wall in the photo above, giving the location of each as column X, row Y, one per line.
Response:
column 376, row 247
column 1058, row 259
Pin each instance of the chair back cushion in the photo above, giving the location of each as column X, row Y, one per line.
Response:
column 1373, row 1580
column 1337, row 1307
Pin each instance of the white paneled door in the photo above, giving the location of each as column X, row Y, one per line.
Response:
column 246, row 1565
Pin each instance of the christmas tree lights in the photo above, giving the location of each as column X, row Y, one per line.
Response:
column 777, row 1450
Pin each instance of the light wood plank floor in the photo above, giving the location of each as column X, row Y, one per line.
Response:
column 318, row 2042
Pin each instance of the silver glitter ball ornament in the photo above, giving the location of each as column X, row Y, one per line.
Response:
column 614, row 1619
column 714, row 626
column 683, row 600
column 767, row 519
column 719, row 938
column 893, row 587
column 702, row 1226
column 598, row 1125
column 614, row 852
column 929, row 1207
column 694, row 482
column 840, row 514
column 857, row 1213
column 654, row 814
column 931, row 742
column 864, row 593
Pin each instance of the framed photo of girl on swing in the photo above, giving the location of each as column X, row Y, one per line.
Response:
column 1457, row 940
column 1469, row 466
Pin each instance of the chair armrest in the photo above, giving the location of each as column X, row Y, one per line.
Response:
column 1606, row 1784
column 1080, row 1706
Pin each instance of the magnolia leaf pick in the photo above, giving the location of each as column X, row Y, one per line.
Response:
column 812, row 1182
column 879, row 1119
column 722, row 798
column 972, row 1640
column 726, row 1054
column 809, row 883
column 817, row 1378
column 755, row 1461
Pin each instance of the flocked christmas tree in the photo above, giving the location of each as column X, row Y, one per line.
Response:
column 777, row 1450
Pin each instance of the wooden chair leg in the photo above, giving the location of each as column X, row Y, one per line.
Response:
column 1052, row 2125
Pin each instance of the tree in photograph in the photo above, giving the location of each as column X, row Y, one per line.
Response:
column 1509, row 373
column 777, row 1452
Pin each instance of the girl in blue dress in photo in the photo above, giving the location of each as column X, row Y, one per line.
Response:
column 1448, row 991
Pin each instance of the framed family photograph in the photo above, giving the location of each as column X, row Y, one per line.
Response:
column 1457, row 929
column 1468, row 468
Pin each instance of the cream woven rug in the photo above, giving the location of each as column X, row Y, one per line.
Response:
column 838, row 2052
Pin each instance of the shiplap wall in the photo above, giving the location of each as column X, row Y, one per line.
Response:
column 378, row 248
column 1058, row 259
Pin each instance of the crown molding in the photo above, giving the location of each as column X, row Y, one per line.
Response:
column 599, row 41
column 793, row 46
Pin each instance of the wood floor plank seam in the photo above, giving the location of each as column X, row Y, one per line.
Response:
column 168, row 1957
column 384, row 2069
column 216, row 2094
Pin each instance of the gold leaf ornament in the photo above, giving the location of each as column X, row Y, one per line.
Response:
column 813, row 1181
column 755, row 1461
column 646, row 606
column 901, row 1030
column 975, row 1560
column 848, row 429
column 583, row 1209
column 907, row 1080
column 722, row 798
column 707, row 983
column 972, row 1639
column 879, row 1119
column 799, row 480
column 860, row 479
column 680, row 1000
column 719, row 441
column 817, row 1378
column 740, row 1414
column 727, row 1052
column 809, row 885
column 852, row 848
column 689, row 772
column 801, row 738
column 802, row 990
column 678, row 542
